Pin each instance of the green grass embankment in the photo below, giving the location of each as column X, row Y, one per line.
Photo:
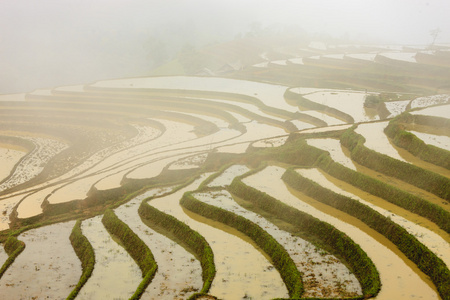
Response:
column 137, row 249
column 426, row 260
column 182, row 233
column 419, row 177
column 280, row 258
column 414, row 145
column 321, row 232
column 85, row 253
column 394, row 195
column 13, row 247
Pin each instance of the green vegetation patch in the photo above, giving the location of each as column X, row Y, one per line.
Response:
column 424, row 179
column 280, row 258
column 414, row 145
column 426, row 260
column 179, row 231
column 358, row 261
column 394, row 195
column 85, row 253
column 13, row 247
column 137, row 249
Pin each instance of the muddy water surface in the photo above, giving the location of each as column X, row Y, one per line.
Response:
column 333, row 147
column 269, row 94
column 440, row 141
column 377, row 140
column 31, row 203
column 115, row 275
column 179, row 273
column 33, row 163
column 351, row 103
column 434, row 242
column 154, row 168
column 406, row 282
column 323, row 274
column 228, row 175
column 381, row 203
column 403, row 185
column 3, row 255
column 48, row 268
column 442, row 111
column 438, row 111
column 242, row 271
column 189, row 162
column 324, row 117
column 6, row 208
column 421, row 163
column 396, row 107
column 8, row 159
column 236, row 148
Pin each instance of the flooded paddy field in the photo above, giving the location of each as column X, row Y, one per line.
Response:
column 319, row 269
column 179, row 272
column 241, row 269
column 48, row 268
column 150, row 140
column 115, row 274
column 406, row 282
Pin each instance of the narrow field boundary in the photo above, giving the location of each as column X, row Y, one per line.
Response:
column 419, row 177
column 357, row 260
column 280, row 258
column 13, row 247
column 85, row 253
column 137, row 249
column 394, row 195
column 414, row 145
column 425, row 260
column 179, row 231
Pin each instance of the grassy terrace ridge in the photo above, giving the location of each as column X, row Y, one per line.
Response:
column 137, row 249
column 85, row 253
column 82, row 118
column 413, row 144
column 13, row 247
column 421, row 178
column 426, row 260
column 318, row 232
column 191, row 239
column 280, row 258
column 412, row 203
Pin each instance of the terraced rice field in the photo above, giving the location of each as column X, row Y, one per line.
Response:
column 209, row 187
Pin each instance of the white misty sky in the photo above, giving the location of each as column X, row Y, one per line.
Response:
column 81, row 39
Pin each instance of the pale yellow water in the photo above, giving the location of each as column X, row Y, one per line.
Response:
column 115, row 274
column 48, row 268
column 240, row 268
column 179, row 272
column 404, row 283
column 434, row 242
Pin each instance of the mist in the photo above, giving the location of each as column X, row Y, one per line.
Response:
column 49, row 43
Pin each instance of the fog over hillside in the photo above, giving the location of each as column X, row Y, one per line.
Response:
column 49, row 43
